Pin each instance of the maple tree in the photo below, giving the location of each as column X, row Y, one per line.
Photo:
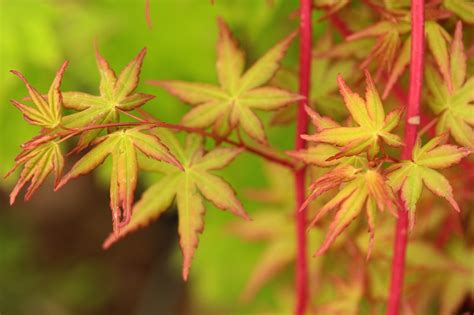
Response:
column 354, row 158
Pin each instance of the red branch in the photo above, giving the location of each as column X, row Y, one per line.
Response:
column 411, row 128
column 301, row 128
column 268, row 155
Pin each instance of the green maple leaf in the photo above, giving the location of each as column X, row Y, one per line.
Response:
column 47, row 110
column 37, row 163
column 372, row 126
column 462, row 8
column 116, row 94
column 455, row 105
column 187, row 185
column 232, row 103
column 123, row 146
column 409, row 176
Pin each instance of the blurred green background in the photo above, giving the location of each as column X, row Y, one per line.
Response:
column 51, row 260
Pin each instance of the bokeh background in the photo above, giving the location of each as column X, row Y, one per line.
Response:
column 51, row 261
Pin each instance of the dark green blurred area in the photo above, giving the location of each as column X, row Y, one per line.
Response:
column 51, row 260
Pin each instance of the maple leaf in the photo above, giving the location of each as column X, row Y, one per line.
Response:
column 37, row 163
column 47, row 112
column 392, row 49
column 123, row 146
column 409, row 176
column 455, row 105
column 373, row 127
column 360, row 188
column 116, row 94
column 330, row 6
column 462, row 8
column 232, row 103
column 187, row 185
column 386, row 47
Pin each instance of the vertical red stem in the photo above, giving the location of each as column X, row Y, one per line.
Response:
column 411, row 127
column 301, row 128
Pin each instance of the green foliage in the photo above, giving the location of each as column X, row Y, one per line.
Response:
column 352, row 163
column 231, row 104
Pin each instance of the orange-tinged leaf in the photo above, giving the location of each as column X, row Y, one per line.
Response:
column 458, row 58
column 402, row 61
column 191, row 220
column 439, row 156
column 358, row 187
column 203, row 116
column 462, row 8
column 372, row 126
column 229, row 106
column 439, row 185
column 384, row 51
column 46, row 113
column 437, row 40
column 116, row 94
column 379, row 191
column 122, row 146
column 317, row 155
column 268, row 98
column 135, row 100
column 107, row 75
column 155, row 200
column 217, row 191
column 348, row 211
column 123, row 181
column 37, row 163
column 409, row 176
column 218, row 158
column 230, row 58
column 342, row 195
column 188, row 180
column 81, row 101
column 251, row 124
column 319, row 121
column 265, row 68
column 128, row 79
column 330, row 180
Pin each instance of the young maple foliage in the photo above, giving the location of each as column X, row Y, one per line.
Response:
column 454, row 106
column 122, row 146
column 372, row 126
column 232, row 103
column 117, row 94
column 392, row 48
column 409, row 176
column 47, row 112
column 359, row 178
column 40, row 160
column 187, row 184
